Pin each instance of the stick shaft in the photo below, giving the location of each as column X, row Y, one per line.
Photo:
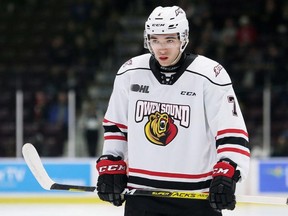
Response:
column 34, row 163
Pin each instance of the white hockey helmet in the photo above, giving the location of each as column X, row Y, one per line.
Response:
column 167, row 20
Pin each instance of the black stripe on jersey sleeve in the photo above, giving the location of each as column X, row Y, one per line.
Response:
column 114, row 129
column 111, row 128
column 169, row 184
column 232, row 140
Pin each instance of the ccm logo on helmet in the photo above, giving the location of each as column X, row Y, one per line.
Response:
column 158, row 25
column 112, row 168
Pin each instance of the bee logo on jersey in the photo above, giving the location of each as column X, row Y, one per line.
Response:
column 160, row 129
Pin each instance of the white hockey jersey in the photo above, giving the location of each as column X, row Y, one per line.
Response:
column 172, row 131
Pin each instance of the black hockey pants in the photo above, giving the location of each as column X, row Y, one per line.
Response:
column 151, row 206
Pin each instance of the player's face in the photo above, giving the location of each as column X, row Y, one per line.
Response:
column 166, row 48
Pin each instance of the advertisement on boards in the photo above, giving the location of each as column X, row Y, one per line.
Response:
column 16, row 176
column 273, row 176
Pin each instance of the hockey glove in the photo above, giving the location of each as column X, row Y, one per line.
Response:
column 223, row 185
column 112, row 179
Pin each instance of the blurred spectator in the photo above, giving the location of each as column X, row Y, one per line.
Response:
column 80, row 51
column 251, row 68
column 280, row 148
column 270, row 17
column 60, row 53
column 228, row 32
column 91, row 123
column 57, row 124
column 40, row 107
column 58, row 110
column 274, row 64
column 206, row 46
column 81, row 10
column 246, row 33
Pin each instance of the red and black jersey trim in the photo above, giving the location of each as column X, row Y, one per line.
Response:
column 169, row 184
column 232, row 140
column 114, row 129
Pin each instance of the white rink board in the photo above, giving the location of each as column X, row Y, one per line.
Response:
column 109, row 210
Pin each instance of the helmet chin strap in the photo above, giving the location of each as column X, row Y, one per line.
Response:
column 181, row 50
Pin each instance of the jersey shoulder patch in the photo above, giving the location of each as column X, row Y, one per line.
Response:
column 210, row 69
column 141, row 61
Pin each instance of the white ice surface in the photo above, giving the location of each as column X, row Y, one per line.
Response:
column 109, row 210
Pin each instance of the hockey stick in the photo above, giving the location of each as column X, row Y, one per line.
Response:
column 35, row 165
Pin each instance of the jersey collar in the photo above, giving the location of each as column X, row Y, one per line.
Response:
column 178, row 69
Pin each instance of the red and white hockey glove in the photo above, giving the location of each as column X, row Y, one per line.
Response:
column 112, row 179
column 223, row 185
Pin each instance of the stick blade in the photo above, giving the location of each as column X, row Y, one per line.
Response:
column 34, row 163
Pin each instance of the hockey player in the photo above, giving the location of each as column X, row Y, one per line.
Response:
column 173, row 122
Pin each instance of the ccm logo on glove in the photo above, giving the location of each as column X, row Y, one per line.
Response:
column 111, row 167
column 223, row 169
